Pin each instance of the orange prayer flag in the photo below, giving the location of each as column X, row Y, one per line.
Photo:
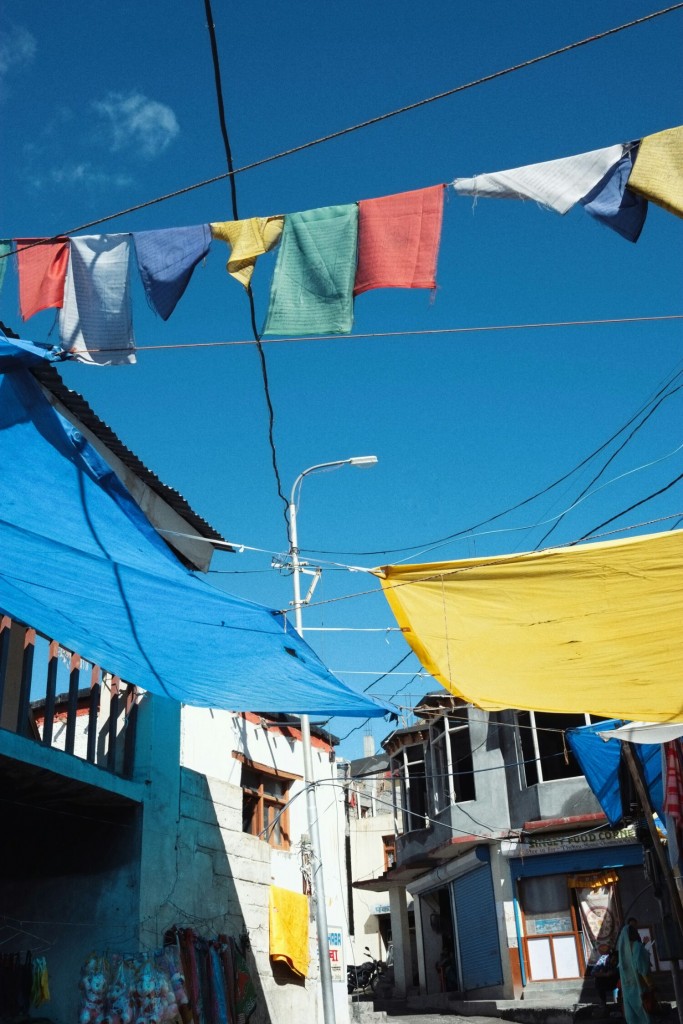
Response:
column 42, row 270
column 398, row 240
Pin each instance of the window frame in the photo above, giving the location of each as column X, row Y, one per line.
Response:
column 277, row 839
column 537, row 760
column 442, row 733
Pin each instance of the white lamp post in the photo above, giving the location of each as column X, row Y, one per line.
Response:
column 311, row 802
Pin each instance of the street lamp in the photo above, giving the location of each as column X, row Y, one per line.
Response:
column 311, row 802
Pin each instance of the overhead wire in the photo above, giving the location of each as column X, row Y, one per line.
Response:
column 661, row 399
column 512, row 508
column 483, row 79
column 250, row 295
column 504, row 558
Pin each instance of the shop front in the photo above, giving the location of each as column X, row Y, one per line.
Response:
column 571, row 896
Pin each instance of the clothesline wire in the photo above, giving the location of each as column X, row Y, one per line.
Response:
column 434, row 331
column 250, row 294
column 368, row 123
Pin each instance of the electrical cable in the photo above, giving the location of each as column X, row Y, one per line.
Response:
column 512, row 508
column 615, row 453
column 371, row 121
column 426, row 579
column 636, row 504
column 250, row 294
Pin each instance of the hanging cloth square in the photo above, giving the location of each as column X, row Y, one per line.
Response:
column 166, row 259
column 615, row 205
column 658, row 170
column 5, row 248
column 398, row 240
column 555, row 183
column 312, row 287
column 288, row 919
column 248, row 239
column 95, row 323
column 42, row 270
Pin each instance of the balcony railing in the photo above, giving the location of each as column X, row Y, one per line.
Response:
column 95, row 722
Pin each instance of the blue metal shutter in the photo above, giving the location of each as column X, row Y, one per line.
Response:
column 475, row 915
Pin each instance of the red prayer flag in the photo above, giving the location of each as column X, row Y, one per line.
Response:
column 398, row 240
column 42, row 270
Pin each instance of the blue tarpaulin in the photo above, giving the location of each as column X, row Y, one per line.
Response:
column 81, row 563
column 599, row 761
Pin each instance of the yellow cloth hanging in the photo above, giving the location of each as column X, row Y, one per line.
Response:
column 593, row 628
column 289, row 929
column 658, row 171
column 247, row 239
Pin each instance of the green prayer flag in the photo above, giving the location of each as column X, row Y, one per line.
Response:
column 5, row 247
column 312, row 287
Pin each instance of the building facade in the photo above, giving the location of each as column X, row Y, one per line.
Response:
column 515, row 876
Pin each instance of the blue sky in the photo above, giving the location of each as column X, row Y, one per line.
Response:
column 115, row 104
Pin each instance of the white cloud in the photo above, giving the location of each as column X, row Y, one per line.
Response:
column 133, row 121
column 17, row 47
column 81, row 174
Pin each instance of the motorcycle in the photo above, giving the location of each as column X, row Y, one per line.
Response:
column 361, row 977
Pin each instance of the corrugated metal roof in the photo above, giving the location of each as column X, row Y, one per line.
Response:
column 77, row 406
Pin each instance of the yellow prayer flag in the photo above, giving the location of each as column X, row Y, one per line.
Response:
column 247, row 239
column 658, row 171
column 596, row 628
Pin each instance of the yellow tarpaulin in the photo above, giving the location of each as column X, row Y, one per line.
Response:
column 289, row 928
column 658, row 171
column 596, row 628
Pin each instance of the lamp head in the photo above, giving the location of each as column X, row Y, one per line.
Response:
column 363, row 460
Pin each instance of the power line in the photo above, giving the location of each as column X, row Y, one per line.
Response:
column 506, row 558
column 371, row 121
column 250, row 294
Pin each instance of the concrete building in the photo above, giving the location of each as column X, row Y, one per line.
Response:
column 126, row 814
column 500, row 845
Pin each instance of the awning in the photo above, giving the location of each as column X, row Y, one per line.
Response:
column 600, row 763
column 595, row 628
column 644, row 732
column 80, row 563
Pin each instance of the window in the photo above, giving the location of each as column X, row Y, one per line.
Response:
column 452, row 767
column 544, row 752
column 409, row 766
column 389, row 843
column 264, row 804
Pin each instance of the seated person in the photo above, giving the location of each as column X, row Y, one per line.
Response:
column 605, row 973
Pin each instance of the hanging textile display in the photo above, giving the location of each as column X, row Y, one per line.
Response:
column 247, row 239
column 658, row 170
column 616, row 206
column 166, row 260
column 42, row 271
column 592, row 628
column 95, row 323
column 191, row 979
column 5, row 249
column 398, row 240
column 558, row 184
column 599, row 909
column 24, row 984
column 312, row 287
column 288, row 917
column 673, row 786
